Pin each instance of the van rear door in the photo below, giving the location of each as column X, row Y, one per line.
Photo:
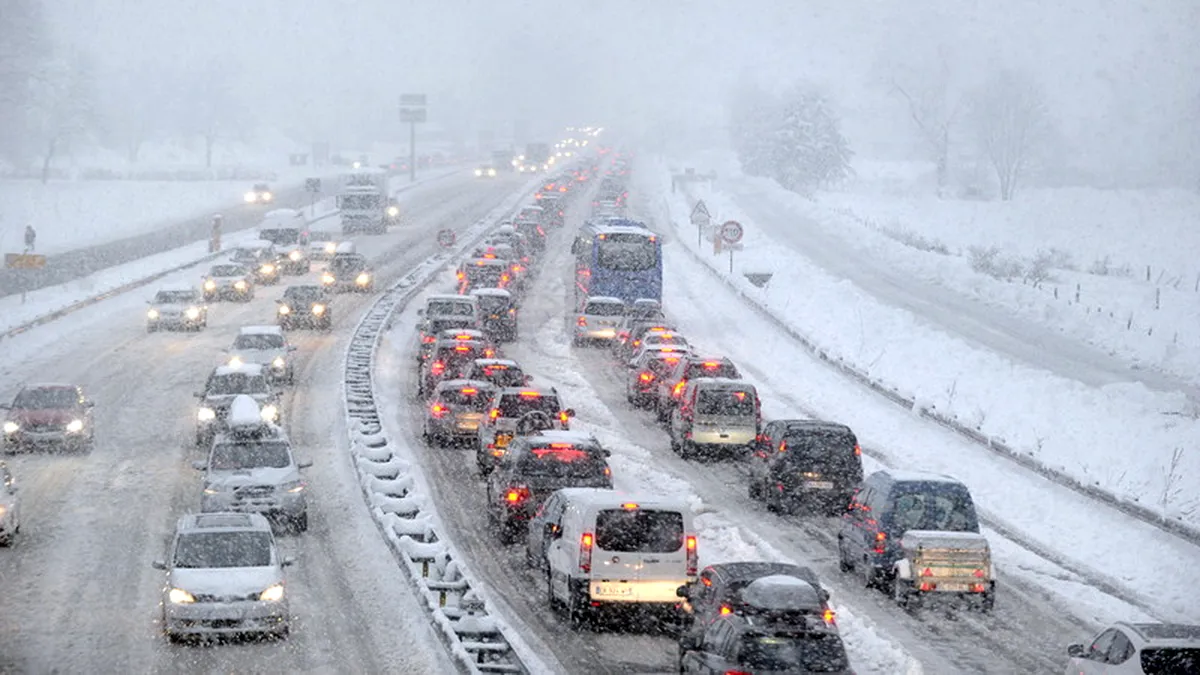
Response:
column 641, row 555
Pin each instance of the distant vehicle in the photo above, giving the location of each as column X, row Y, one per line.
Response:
column 268, row 347
column 348, row 272
column 644, row 372
column 49, row 415
column 261, row 258
column 447, row 361
column 322, row 244
column 498, row 312
column 10, row 507
column 483, row 273
column 228, row 281
column 177, row 308
column 670, row 388
column 1138, row 649
column 224, row 576
column 364, row 201
column 618, row 260
column 259, row 194
column 806, row 466
column 536, row 158
column 485, row 171
column 597, row 319
column 504, row 160
column 455, row 410
column 507, row 406
column 224, row 384
column 305, row 306
column 499, row 372
column 288, row 231
column 716, row 417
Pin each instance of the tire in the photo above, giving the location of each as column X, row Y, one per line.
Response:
column 530, row 561
column 556, row 607
column 901, row 595
column 988, row 602
column 506, row 533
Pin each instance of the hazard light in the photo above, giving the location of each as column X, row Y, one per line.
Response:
column 530, row 394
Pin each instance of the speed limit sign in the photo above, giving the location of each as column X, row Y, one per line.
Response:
column 446, row 238
column 731, row 232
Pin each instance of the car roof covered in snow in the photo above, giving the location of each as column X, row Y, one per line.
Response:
column 605, row 498
column 562, row 436
column 260, row 330
column 495, row 292
column 48, row 385
column 252, row 369
column 222, row 521
column 497, row 362
column 176, row 288
column 459, row 383
column 605, row 300
column 723, row 383
column 903, row 476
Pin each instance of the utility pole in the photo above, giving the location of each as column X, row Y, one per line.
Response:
column 412, row 111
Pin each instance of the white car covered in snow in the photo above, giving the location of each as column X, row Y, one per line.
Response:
column 10, row 507
column 177, row 308
column 224, row 577
column 266, row 346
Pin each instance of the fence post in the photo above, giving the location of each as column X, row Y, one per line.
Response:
column 1147, row 273
column 1157, row 297
column 1077, row 292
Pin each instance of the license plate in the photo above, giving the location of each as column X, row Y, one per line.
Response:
column 952, row 586
column 818, row 484
column 612, row 590
column 502, row 441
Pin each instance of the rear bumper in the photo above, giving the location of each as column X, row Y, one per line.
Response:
column 727, row 437
column 624, row 592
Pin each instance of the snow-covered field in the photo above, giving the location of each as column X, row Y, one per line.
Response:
column 1124, row 437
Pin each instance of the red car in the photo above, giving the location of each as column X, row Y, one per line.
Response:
column 49, row 415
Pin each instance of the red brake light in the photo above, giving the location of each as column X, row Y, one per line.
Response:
column 581, row 321
column 493, row 413
column 516, row 495
column 711, row 364
column 438, row 410
column 469, row 390
column 462, row 348
column 646, row 377
column 693, row 556
column 530, row 394
column 563, row 417
column 463, row 336
column 562, row 446
column 830, row 617
column 739, row 395
column 880, row 542
column 857, row 449
column 678, row 390
column 726, row 609
column 437, row 368
column 429, row 339
column 461, row 276
column 585, row 552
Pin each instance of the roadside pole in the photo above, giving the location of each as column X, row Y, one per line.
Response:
column 412, row 111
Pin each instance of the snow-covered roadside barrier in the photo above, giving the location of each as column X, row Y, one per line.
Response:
column 1127, row 501
column 477, row 638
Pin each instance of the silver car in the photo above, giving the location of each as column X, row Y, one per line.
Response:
column 177, row 308
column 268, row 347
column 10, row 507
column 224, row 577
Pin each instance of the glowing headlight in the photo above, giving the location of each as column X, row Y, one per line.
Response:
column 210, row 285
column 266, row 196
column 478, row 172
column 363, row 279
column 284, row 309
column 491, row 172
column 152, row 314
column 240, row 285
column 274, row 593
column 278, row 362
column 206, row 414
column 74, row 426
column 294, row 256
column 293, row 487
column 11, row 427
column 211, row 490
column 330, row 247
column 393, row 211
column 267, row 269
column 251, row 197
column 180, row 597
column 236, row 362
column 269, row 413
column 318, row 309
column 192, row 313
column 327, row 278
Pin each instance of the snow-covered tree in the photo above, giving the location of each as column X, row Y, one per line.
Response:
column 809, row 148
column 61, row 106
column 1012, row 124
column 926, row 85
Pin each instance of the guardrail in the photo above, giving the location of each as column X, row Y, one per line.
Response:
column 398, row 500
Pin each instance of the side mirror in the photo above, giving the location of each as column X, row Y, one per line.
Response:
column 824, row 595
column 159, row 565
column 683, row 591
column 607, row 452
column 287, row 562
column 688, row 643
column 570, row 412
column 304, row 465
column 200, row 465
column 1076, row 651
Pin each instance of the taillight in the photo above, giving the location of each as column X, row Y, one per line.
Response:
column 439, row 410
column 493, row 413
column 880, row 542
column 541, row 231
column 563, row 417
column 857, row 449
column 516, row 495
column 738, row 672
column 678, row 390
column 461, row 276
column 726, row 609
column 646, row 377
column 581, row 322
column 830, row 617
column 585, row 552
column 429, row 339
column 693, row 556
column 437, row 368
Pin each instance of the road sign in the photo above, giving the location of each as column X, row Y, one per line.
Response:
column 700, row 214
column 412, row 115
column 731, row 232
column 24, row 261
column 446, row 238
column 412, row 100
column 312, row 184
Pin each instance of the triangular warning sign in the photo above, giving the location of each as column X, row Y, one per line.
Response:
column 701, row 209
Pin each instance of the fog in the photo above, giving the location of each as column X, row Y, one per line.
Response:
column 1121, row 78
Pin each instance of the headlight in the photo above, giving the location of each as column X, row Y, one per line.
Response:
column 274, row 593
column 192, row 313
column 211, row 489
column 266, row 196
column 206, row 414
column 491, row 172
column 3, row 510
column 327, row 278
column 363, row 279
column 240, row 285
column 294, row 256
column 269, row 413
column 267, row 269
column 318, row 309
column 235, row 362
column 293, row 487
column 74, row 426
column 278, row 362
column 251, row 197
column 478, row 172
column 11, row 427
column 180, row 596
column 152, row 314
column 284, row 309
column 210, row 285
column 330, row 247
column 393, row 211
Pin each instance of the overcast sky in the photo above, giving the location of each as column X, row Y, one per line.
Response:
column 329, row 68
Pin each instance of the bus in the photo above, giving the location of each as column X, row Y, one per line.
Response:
column 617, row 258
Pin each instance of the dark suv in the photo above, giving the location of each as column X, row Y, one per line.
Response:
column 806, row 466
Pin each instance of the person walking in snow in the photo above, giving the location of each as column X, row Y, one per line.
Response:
column 30, row 238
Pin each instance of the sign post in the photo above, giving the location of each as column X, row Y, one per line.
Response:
column 312, row 186
column 24, row 261
column 412, row 111
column 702, row 219
column 731, row 234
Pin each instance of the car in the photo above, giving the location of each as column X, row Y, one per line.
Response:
column 454, row 411
column 485, row 171
column 645, row 308
column 177, row 308
column 597, row 319
column 529, row 224
column 780, row 626
column 250, row 468
column 54, row 415
column 348, row 271
column 223, row 385
column 322, row 244
column 670, row 388
column 644, row 371
column 1138, row 649
column 716, row 417
column 662, row 339
column 534, row 467
column 609, row 549
column 268, row 347
column 304, row 306
column 224, row 577
column 447, row 360
column 483, row 273
column 805, row 466
column 630, row 334
column 261, row 258
column 507, row 234
column 508, row 254
column 457, row 307
column 259, row 194
column 916, row 536
column 498, row 313
column 554, row 209
column 506, row 407
column 288, row 231
column 499, row 372
column 718, row 590
column 10, row 507
column 228, row 281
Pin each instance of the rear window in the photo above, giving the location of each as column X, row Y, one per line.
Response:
column 713, row 369
column 639, row 531
column 449, row 308
column 436, row 327
column 934, row 506
column 561, row 463
column 484, row 274
column 822, row 447
column 494, row 303
column 501, row 375
column 725, row 402
column 515, row 405
column 1171, row 660
column 468, row 398
column 805, row 653
column 604, row 309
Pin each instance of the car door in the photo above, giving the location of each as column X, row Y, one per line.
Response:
column 1119, row 653
column 1095, row 658
column 853, row 525
column 500, row 479
column 548, row 527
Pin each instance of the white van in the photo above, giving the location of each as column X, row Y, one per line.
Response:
column 608, row 548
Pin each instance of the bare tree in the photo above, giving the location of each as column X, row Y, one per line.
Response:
column 1012, row 123
column 24, row 49
column 61, row 106
column 934, row 109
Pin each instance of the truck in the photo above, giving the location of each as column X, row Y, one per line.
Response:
column 939, row 563
column 536, row 158
column 364, row 201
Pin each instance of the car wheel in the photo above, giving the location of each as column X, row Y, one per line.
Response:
column 6, row 541
column 556, row 607
column 300, row 522
column 173, row 637
column 507, row 533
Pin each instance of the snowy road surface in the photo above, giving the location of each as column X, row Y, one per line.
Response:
column 79, row 589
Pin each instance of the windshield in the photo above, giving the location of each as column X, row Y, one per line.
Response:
column 1170, row 660
column 484, row 274
column 256, row 341
column 347, row 263
column 639, row 531
column 809, row 653
column 516, row 405
column 449, row 308
column 367, row 201
column 304, row 294
column 501, row 375
column 494, row 304
column 250, row 455
column 604, row 309
column 468, row 398
column 223, row 549
column 725, row 402
column 228, row 271
column 174, row 297
column 283, row 236
column 39, row 399
column 626, row 252
column 562, row 463
column 236, row 383
column 249, row 254
column 933, row 506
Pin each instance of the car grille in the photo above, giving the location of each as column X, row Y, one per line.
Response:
column 46, row 427
column 205, row 597
column 254, row 492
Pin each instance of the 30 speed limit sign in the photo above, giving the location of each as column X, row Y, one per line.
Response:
column 731, row 232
